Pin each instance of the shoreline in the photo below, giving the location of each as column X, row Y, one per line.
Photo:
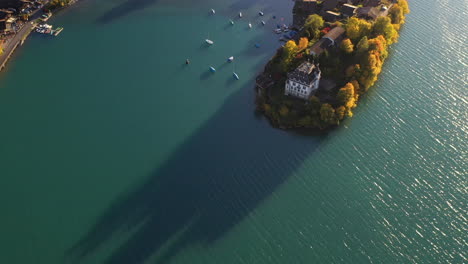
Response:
column 20, row 37
column 310, row 84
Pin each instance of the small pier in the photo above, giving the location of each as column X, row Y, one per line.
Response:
column 47, row 29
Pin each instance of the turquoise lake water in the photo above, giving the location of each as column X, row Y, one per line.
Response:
column 114, row 151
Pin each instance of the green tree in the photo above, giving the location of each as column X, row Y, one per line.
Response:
column 289, row 50
column 284, row 111
column 383, row 26
column 357, row 28
column 363, row 45
column 347, row 46
column 305, row 121
column 314, row 105
column 313, row 24
column 327, row 114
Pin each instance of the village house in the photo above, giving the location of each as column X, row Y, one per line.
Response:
column 348, row 10
column 331, row 16
column 331, row 39
column 7, row 21
column 303, row 81
column 372, row 13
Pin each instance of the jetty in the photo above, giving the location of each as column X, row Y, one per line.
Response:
column 18, row 39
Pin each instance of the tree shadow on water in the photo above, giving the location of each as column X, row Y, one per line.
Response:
column 124, row 9
column 219, row 175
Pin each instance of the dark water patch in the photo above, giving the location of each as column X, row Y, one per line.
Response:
column 210, row 184
column 124, row 9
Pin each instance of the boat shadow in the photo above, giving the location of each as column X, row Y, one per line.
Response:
column 206, row 75
column 210, row 184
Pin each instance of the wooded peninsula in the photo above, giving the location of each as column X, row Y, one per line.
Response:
column 315, row 79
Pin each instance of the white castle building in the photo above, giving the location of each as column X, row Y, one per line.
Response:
column 303, row 81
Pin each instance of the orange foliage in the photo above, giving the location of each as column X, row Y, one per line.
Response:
column 303, row 44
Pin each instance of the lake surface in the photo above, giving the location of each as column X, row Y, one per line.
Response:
column 113, row 151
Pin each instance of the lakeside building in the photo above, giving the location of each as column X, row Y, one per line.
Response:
column 331, row 39
column 372, row 13
column 331, row 16
column 303, row 81
column 7, row 21
column 348, row 10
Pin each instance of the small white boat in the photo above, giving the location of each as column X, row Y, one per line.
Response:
column 212, row 69
column 260, row 13
column 250, row 25
column 263, row 22
column 210, row 42
column 240, row 14
column 232, row 22
column 213, row 11
column 235, row 75
column 230, row 59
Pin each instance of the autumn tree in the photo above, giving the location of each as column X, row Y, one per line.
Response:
column 378, row 46
column 352, row 70
column 303, row 43
column 396, row 14
column 404, row 6
column 357, row 28
column 371, row 62
column 357, row 89
column 347, row 46
column 345, row 96
column 340, row 112
column 383, row 26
